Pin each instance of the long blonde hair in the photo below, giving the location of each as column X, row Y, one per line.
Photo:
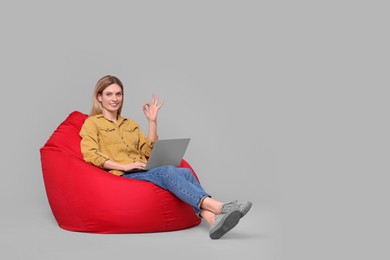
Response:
column 101, row 85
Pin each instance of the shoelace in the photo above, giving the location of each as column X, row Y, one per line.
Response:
column 230, row 206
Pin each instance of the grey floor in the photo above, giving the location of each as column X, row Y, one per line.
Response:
column 39, row 237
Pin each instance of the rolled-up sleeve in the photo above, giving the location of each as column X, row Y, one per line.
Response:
column 146, row 145
column 90, row 144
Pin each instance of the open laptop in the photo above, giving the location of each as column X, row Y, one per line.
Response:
column 166, row 152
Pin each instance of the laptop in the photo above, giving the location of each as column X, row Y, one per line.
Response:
column 166, row 152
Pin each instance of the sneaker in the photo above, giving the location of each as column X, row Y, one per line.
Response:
column 234, row 205
column 223, row 223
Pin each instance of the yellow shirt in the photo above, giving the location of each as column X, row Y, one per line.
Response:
column 104, row 140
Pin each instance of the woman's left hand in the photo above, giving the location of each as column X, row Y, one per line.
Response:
column 151, row 109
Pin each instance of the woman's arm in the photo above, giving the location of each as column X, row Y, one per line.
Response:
column 92, row 154
column 112, row 165
column 151, row 111
column 89, row 144
column 152, row 131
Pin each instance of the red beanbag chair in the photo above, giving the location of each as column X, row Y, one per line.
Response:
column 86, row 198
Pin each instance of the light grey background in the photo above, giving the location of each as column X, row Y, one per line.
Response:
column 286, row 103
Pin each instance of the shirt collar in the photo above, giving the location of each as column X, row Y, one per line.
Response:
column 120, row 119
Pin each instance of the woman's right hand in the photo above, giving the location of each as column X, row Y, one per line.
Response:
column 112, row 165
column 134, row 166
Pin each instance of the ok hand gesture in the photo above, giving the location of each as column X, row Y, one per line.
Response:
column 151, row 109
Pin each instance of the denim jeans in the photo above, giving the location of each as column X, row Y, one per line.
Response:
column 179, row 181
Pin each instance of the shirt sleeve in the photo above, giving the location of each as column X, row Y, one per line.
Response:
column 146, row 145
column 90, row 144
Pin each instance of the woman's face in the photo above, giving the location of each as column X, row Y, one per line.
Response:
column 111, row 98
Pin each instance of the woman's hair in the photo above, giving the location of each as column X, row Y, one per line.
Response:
column 101, row 85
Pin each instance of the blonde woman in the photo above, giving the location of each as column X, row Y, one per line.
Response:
column 117, row 144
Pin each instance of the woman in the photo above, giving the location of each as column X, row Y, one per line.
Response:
column 117, row 144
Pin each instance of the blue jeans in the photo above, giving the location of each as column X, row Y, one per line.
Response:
column 179, row 181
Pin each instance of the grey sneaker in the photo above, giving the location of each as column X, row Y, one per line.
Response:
column 223, row 223
column 234, row 205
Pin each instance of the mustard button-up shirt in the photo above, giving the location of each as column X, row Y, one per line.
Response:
column 104, row 140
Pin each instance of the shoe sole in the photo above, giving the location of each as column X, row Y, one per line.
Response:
column 229, row 221
column 246, row 209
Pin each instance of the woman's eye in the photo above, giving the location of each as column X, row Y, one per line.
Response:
column 109, row 94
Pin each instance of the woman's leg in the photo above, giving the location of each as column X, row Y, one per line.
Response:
column 187, row 173
column 211, row 205
column 208, row 216
column 170, row 178
column 214, row 205
column 190, row 191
